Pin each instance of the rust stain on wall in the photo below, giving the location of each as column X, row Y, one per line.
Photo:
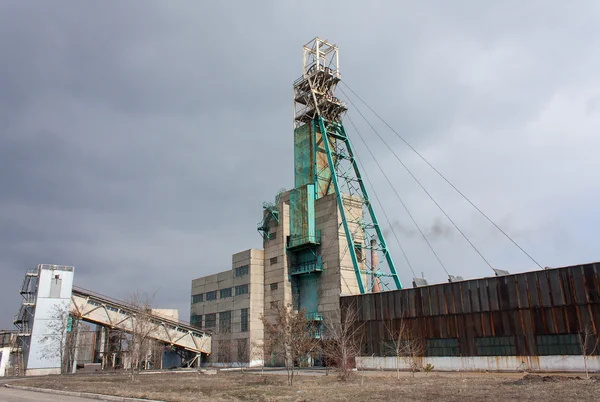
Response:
column 524, row 306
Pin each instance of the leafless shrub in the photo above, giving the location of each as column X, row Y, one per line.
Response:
column 141, row 327
column 290, row 337
column 60, row 341
column 403, row 345
column 257, row 353
column 588, row 342
column 342, row 342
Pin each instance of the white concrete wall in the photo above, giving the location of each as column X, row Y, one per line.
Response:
column 485, row 363
column 44, row 355
column 167, row 312
column 4, row 360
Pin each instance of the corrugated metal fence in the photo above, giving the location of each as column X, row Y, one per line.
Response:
column 520, row 310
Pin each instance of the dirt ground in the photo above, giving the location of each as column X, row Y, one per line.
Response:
column 364, row 386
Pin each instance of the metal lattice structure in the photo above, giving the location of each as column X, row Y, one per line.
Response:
column 270, row 213
column 337, row 171
column 101, row 310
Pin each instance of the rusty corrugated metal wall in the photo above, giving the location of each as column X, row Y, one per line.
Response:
column 523, row 306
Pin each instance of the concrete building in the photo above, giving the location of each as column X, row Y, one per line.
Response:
column 309, row 275
column 323, row 248
column 315, row 236
column 51, row 337
column 8, row 351
column 230, row 304
column 42, row 318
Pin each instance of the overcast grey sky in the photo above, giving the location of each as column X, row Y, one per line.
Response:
column 138, row 139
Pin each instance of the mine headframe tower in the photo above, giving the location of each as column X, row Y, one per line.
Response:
column 325, row 164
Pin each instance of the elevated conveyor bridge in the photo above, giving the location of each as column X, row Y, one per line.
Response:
column 107, row 312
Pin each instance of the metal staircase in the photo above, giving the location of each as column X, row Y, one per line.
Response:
column 28, row 291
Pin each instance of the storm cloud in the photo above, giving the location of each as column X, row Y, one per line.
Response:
column 138, row 140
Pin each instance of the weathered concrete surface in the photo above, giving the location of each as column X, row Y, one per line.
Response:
column 485, row 363
column 19, row 395
column 14, row 393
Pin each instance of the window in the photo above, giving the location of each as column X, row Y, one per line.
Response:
column 241, row 290
column 210, row 320
column 196, row 320
column 358, row 249
column 198, row 298
column 211, row 295
column 274, row 286
column 272, row 235
column 443, row 347
column 241, row 271
column 242, row 350
column 563, row 344
column 244, row 327
column 223, row 293
column 225, row 321
column 5, row 340
column 273, row 260
column 224, row 350
column 496, row 346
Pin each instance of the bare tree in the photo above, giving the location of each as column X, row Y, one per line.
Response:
column 142, row 326
column 290, row 337
column 60, row 341
column 343, row 339
column 257, row 352
column 403, row 346
column 224, row 337
column 588, row 342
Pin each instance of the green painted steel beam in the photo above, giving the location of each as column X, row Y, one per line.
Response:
column 340, row 202
column 384, row 248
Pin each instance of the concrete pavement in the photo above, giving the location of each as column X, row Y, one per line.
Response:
column 17, row 395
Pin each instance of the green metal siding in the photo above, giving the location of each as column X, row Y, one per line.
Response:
column 308, row 298
column 302, row 215
column 310, row 160
column 303, row 156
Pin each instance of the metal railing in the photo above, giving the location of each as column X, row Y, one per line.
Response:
column 314, row 316
column 127, row 308
column 306, row 267
column 56, row 267
column 295, row 241
column 29, row 299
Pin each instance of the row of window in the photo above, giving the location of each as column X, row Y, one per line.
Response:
column 226, row 353
column 547, row 345
column 241, row 271
column 223, row 294
column 210, row 320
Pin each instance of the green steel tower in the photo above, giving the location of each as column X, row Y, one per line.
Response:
column 333, row 242
column 324, row 163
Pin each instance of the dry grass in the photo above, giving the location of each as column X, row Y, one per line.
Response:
column 365, row 386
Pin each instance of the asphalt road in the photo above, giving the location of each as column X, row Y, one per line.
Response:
column 17, row 395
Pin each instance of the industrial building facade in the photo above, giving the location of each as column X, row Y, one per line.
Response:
column 231, row 303
column 46, row 293
column 324, row 250
column 51, row 337
column 531, row 321
column 317, row 244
